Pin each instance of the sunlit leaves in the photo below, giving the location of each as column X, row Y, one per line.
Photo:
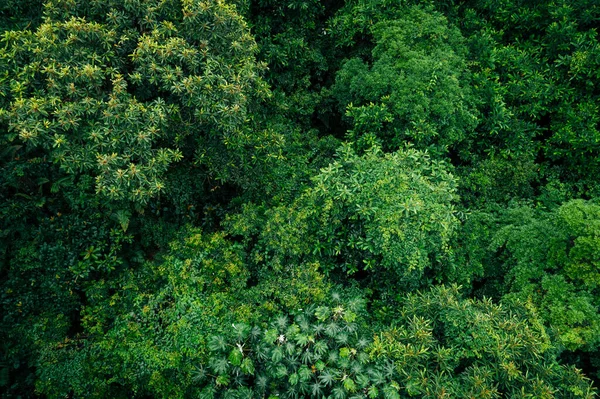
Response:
column 372, row 212
column 103, row 98
column 551, row 258
column 442, row 346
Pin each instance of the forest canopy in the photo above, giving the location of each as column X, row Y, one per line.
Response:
column 299, row 199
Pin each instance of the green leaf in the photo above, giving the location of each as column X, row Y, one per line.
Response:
column 123, row 218
column 208, row 392
column 322, row 313
column 219, row 365
column 281, row 371
column 305, row 374
column 339, row 393
column 247, row 366
column 270, row 335
column 349, row 317
column 344, row 352
column 390, row 393
column 217, row 343
column 235, row 357
column 349, row 385
column 277, row 355
column 222, row 380
column 373, row 392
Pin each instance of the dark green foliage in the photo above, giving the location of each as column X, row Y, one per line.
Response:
column 549, row 258
column 101, row 98
column 416, row 88
column 317, row 353
column 52, row 272
column 155, row 321
column 16, row 14
column 173, row 172
column 535, row 69
column 498, row 178
column 147, row 334
column 377, row 212
column 440, row 346
column 552, row 260
column 470, row 348
column 102, row 90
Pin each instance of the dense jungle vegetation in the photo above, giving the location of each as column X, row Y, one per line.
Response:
column 299, row 199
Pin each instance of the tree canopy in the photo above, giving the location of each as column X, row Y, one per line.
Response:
column 299, row 199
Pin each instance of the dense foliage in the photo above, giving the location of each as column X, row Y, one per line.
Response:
column 299, row 198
